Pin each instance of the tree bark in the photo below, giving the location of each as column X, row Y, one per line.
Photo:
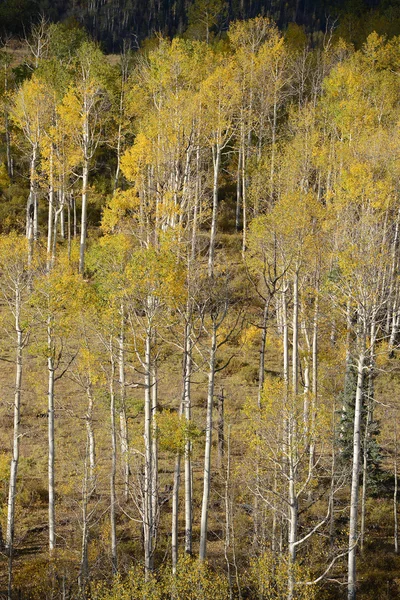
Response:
column 16, row 440
column 188, row 444
column 148, row 466
column 213, row 232
column 51, row 456
column 113, row 473
column 207, row 454
column 353, row 534
column 122, row 410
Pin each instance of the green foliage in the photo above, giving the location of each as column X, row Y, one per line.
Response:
column 268, row 576
column 194, row 580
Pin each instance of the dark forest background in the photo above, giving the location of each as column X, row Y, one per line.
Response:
column 113, row 21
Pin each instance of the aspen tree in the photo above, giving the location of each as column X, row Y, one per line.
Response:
column 84, row 109
column 31, row 113
column 155, row 280
column 15, row 286
column 6, row 87
column 55, row 295
column 220, row 96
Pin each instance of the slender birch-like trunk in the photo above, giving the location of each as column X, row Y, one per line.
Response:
column 31, row 207
column 396, row 526
column 238, row 190
column 207, row 453
column 188, row 444
column 122, row 409
column 50, row 212
column 51, row 455
column 292, row 447
column 90, row 434
column 213, row 232
column 314, row 396
column 221, row 427
column 155, row 509
column 16, row 440
column 175, row 504
column 148, row 466
column 370, row 410
column 113, row 473
column 85, row 180
column 353, row 532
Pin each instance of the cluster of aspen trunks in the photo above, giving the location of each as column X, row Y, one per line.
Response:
column 191, row 206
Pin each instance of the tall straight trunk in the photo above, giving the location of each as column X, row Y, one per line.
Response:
column 90, row 435
column 175, row 507
column 113, row 473
column 154, row 453
column 392, row 274
column 73, row 200
column 50, row 212
column 295, row 359
column 16, row 439
column 353, row 533
column 370, row 400
column 396, row 526
column 221, row 428
column 238, row 190
column 394, row 321
column 196, row 205
column 207, row 453
column 261, row 368
column 122, row 409
column 175, row 496
column 51, row 455
column 273, row 147
column 293, row 515
column 216, row 163
column 31, row 204
column 85, row 179
column 227, row 541
column 148, row 465
column 348, row 358
column 84, row 567
column 285, row 331
column 119, row 139
column 292, row 447
column 261, row 379
column 365, row 474
column 188, row 444
column 69, row 229
column 244, row 200
column 62, row 214
column 314, row 396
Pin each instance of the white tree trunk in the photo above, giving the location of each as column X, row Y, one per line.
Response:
column 188, row 443
column 154, row 453
column 16, row 439
column 85, row 179
column 122, row 413
column 353, row 535
column 51, row 456
column 213, row 232
column 207, row 453
column 113, row 524
column 50, row 213
column 148, row 479
column 396, row 527
column 90, row 435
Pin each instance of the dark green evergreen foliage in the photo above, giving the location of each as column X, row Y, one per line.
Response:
column 345, row 438
column 111, row 21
